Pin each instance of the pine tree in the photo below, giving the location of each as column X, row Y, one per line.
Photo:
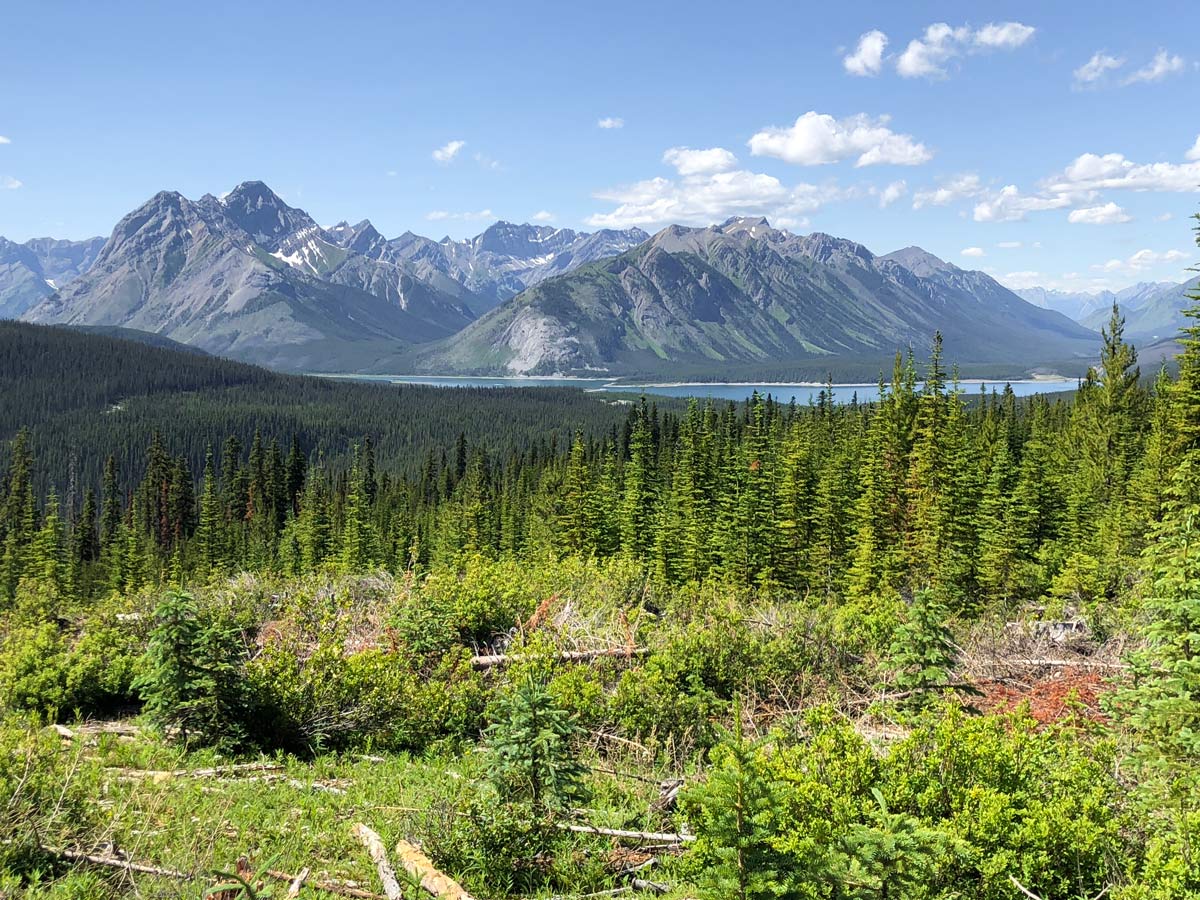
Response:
column 19, row 515
column 47, row 564
column 110, row 514
column 927, row 485
column 922, row 652
column 531, row 755
column 191, row 682
column 638, row 497
column 735, row 824
column 210, row 549
column 356, row 552
column 1163, row 705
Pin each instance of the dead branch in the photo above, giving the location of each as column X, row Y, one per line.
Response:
column 491, row 661
column 621, row 834
column 419, row 866
column 378, row 854
column 118, row 862
column 214, row 772
column 1024, row 890
column 297, row 883
column 328, row 887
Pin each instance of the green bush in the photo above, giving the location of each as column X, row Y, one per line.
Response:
column 45, row 795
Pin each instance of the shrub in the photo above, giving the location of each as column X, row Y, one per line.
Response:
column 192, row 682
column 44, row 795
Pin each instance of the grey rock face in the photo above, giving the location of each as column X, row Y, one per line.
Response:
column 506, row 258
column 187, row 270
column 744, row 292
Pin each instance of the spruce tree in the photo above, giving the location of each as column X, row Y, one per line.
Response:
column 531, row 758
column 735, row 813
column 1163, row 704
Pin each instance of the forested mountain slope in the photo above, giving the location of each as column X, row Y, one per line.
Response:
column 78, row 392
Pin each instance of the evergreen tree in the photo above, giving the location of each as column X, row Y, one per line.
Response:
column 735, row 822
column 210, row 548
column 1163, row 705
column 531, row 754
column 192, row 680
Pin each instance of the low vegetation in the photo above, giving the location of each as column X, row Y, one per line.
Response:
column 925, row 648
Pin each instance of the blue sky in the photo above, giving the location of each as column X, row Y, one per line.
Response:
column 1047, row 143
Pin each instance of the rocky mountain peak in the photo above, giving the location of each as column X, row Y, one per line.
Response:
column 920, row 262
column 825, row 248
column 262, row 214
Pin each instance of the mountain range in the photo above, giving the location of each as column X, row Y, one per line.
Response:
column 1153, row 310
column 744, row 292
column 1083, row 305
column 250, row 277
column 37, row 268
column 246, row 275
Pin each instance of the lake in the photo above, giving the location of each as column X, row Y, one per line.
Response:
column 784, row 393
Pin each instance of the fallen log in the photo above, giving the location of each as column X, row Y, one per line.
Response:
column 651, row 887
column 491, row 661
column 378, row 854
column 419, row 866
column 1063, row 664
column 621, row 834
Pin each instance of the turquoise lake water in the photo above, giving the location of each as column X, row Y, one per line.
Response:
column 784, row 393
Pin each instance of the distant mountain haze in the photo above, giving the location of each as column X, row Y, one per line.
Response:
column 37, row 268
column 1083, row 306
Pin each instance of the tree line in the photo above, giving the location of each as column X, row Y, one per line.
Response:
column 980, row 500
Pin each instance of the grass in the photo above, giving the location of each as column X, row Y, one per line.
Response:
column 300, row 816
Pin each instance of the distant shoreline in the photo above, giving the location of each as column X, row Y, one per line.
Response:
column 613, row 382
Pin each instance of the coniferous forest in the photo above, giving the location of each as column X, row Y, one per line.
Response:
column 549, row 643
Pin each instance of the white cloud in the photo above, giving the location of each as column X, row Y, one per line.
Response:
column 926, row 57
column 1112, row 171
column 1108, row 214
column 1010, row 205
column 687, row 161
column 4, row 140
column 892, row 193
column 816, row 139
column 1009, row 245
column 392, row 173
column 611, row 122
column 867, row 58
column 543, row 215
column 1157, row 69
column 1004, row 36
column 1016, row 281
column 972, row 251
column 1194, row 154
column 1143, row 260
column 448, row 151
column 441, row 215
column 959, row 187
column 487, row 162
column 1097, row 67
column 703, row 199
column 8, row 183
column 1165, row 217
